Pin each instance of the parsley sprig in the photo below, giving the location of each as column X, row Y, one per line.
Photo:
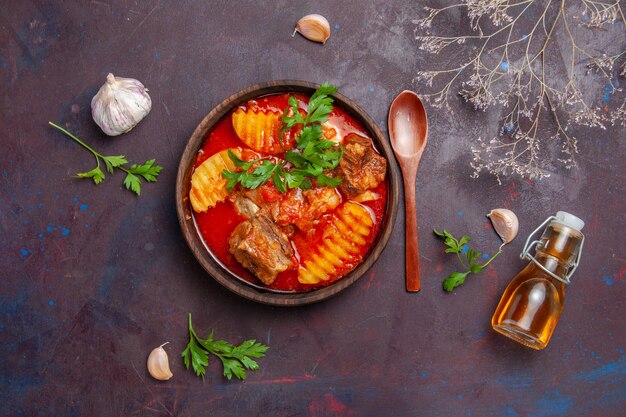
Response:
column 235, row 359
column 312, row 156
column 264, row 169
column 134, row 173
column 457, row 246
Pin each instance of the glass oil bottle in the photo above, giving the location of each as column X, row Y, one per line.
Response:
column 532, row 303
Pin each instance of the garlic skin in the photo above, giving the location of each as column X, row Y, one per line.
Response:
column 505, row 224
column 158, row 364
column 314, row 27
column 120, row 104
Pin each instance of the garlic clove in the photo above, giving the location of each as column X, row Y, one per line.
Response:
column 314, row 27
column 158, row 364
column 120, row 104
column 505, row 224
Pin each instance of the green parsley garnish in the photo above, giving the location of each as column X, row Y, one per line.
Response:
column 312, row 156
column 147, row 170
column 458, row 247
column 235, row 359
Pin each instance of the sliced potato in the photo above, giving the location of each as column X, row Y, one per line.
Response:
column 260, row 130
column 342, row 241
column 207, row 185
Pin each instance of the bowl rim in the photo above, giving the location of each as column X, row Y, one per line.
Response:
column 195, row 241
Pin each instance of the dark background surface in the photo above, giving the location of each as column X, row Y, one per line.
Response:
column 93, row 278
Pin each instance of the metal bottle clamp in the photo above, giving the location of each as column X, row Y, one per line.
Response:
column 529, row 245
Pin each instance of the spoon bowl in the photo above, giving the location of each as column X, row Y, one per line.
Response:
column 408, row 125
column 408, row 131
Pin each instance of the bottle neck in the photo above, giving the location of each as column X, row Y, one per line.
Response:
column 558, row 249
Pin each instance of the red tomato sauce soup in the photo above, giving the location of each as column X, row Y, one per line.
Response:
column 217, row 224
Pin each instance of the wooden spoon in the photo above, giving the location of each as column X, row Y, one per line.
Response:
column 408, row 129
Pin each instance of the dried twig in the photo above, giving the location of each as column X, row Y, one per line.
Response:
column 514, row 67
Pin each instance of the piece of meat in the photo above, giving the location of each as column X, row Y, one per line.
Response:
column 261, row 248
column 244, row 206
column 259, row 197
column 317, row 202
column 361, row 168
column 290, row 207
column 297, row 207
column 304, row 208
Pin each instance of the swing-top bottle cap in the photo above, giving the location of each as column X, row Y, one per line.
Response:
column 569, row 220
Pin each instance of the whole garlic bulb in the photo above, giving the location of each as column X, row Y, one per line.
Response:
column 159, row 365
column 120, row 104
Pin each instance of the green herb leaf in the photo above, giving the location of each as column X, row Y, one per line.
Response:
column 261, row 174
column 147, row 170
column 465, row 239
column 194, row 354
column 236, row 160
column 235, row 359
column 449, row 240
column 249, row 363
column 295, row 118
column 454, row 280
column 475, row 268
column 312, row 156
column 233, row 179
column 132, row 182
column 114, row 162
column 320, row 104
column 457, row 247
column 294, row 179
column 96, row 174
column 253, row 348
column 323, row 180
column 279, row 181
column 233, row 367
column 453, row 244
column 471, row 255
column 295, row 158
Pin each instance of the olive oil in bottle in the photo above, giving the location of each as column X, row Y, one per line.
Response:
column 532, row 303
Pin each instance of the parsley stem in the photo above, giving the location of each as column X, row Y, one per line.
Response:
column 191, row 327
column 80, row 142
column 458, row 255
column 491, row 259
column 199, row 340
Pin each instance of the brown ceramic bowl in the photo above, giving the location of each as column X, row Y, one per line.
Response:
column 227, row 278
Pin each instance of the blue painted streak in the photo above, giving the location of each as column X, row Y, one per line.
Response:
column 608, row 90
column 552, row 404
column 608, row 370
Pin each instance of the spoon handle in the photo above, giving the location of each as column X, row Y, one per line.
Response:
column 412, row 247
